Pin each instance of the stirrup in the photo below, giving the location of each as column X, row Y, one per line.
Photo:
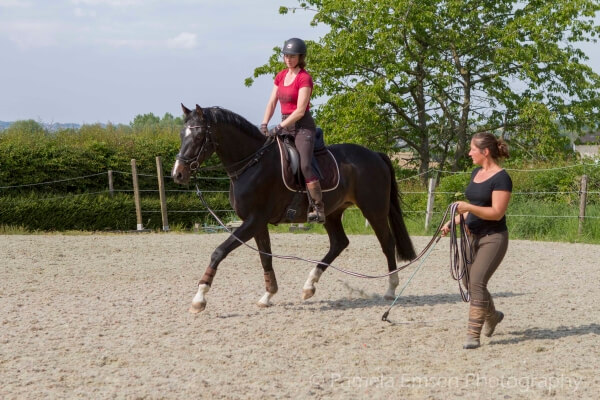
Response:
column 315, row 216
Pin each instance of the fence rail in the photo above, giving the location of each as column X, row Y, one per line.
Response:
column 582, row 192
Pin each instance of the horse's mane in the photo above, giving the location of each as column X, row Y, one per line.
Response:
column 222, row 115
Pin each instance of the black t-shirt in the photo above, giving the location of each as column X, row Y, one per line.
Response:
column 480, row 194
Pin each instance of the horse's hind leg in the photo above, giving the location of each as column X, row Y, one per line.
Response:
column 379, row 223
column 243, row 233
column 338, row 241
column 264, row 245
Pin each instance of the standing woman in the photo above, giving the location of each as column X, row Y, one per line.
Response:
column 292, row 88
column 488, row 193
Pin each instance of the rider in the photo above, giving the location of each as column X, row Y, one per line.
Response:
column 488, row 193
column 293, row 88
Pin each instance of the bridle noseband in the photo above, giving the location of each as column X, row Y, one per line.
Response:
column 193, row 161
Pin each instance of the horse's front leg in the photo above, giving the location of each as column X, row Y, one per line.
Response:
column 264, row 245
column 243, row 233
column 338, row 241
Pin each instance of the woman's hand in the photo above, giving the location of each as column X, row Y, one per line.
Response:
column 446, row 228
column 462, row 207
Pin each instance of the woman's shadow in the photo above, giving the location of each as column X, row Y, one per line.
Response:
column 545, row 333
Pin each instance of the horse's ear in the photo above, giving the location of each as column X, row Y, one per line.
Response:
column 186, row 111
column 199, row 111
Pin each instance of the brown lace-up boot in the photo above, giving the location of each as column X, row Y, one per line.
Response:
column 492, row 319
column 318, row 212
column 477, row 313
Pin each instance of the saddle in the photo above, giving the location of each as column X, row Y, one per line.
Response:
column 323, row 162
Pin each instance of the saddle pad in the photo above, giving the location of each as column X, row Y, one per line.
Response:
column 328, row 167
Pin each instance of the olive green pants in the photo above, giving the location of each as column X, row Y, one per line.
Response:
column 488, row 252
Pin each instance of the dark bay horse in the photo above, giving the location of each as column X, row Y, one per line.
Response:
column 259, row 197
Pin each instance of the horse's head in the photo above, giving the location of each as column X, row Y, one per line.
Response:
column 196, row 145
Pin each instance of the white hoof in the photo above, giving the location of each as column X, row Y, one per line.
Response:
column 265, row 301
column 308, row 293
column 309, row 289
column 199, row 301
column 390, row 295
column 196, row 308
column 393, row 284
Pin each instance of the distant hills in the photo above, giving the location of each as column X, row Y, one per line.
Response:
column 55, row 126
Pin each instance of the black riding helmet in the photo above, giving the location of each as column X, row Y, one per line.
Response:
column 294, row 46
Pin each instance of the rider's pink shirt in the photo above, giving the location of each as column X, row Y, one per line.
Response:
column 288, row 95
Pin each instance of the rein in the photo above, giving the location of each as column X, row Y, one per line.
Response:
column 430, row 245
column 249, row 161
column 461, row 254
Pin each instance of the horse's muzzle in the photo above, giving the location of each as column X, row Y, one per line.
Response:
column 181, row 173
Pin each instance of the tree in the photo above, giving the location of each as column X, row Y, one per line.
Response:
column 154, row 123
column 145, row 121
column 426, row 76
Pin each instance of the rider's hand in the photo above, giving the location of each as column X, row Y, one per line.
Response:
column 264, row 129
column 275, row 131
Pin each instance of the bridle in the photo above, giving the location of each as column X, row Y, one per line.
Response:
column 232, row 172
column 193, row 162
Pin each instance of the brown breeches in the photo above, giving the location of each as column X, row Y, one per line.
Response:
column 488, row 252
column 304, row 133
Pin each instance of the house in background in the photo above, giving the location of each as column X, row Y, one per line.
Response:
column 588, row 145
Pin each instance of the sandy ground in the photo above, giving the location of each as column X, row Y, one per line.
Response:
column 105, row 316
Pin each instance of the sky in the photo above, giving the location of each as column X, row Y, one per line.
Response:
column 88, row 61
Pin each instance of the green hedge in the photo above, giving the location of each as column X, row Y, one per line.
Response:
column 102, row 212
column 31, row 155
column 34, row 156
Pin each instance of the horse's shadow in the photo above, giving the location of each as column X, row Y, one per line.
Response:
column 369, row 301
column 545, row 333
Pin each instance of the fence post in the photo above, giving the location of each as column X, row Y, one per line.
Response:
column 161, row 190
column 111, row 190
column 136, row 195
column 430, row 198
column 582, row 202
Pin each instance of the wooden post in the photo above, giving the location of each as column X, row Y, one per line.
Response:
column 161, row 190
column 111, row 190
column 582, row 203
column 430, row 198
column 136, row 195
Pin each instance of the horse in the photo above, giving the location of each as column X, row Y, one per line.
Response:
column 259, row 196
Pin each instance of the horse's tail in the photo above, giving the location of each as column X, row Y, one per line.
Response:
column 404, row 246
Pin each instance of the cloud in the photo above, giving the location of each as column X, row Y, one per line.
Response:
column 80, row 12
column 132, row 43
column 184, row 40
column 14, row 4
column 111, row 3
column 31, row 34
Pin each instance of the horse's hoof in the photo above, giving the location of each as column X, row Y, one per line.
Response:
column 263, row 305
column 308, row 293
column 197, row 308
column 389, row 296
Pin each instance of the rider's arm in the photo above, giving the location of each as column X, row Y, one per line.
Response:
column 271, row 104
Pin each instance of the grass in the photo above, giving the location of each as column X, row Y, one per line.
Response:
column 526, row 220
